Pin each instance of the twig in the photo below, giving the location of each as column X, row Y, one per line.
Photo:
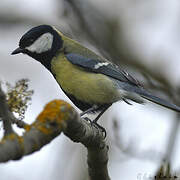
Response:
column 7, row 115
column 19, row 123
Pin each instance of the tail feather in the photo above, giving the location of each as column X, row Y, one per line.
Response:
column 159, row 101
column 133, row 93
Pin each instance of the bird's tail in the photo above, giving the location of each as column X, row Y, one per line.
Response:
column 137, row 94
column 159, row 101
column 146, row 95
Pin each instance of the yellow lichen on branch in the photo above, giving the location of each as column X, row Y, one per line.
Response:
column 49, row 124
column 54, row 113
column 12, row 136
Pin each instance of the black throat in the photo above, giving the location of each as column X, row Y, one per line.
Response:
column 44, row 58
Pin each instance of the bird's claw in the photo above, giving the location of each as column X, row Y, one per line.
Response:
column 96, row 125
column 100, row 127
column 88, row 120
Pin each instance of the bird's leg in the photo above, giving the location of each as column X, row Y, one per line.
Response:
column 88, row 120
column 126, row 101
column 93, row 108
column 101, row 113
column 96, row 119
column 96, row 125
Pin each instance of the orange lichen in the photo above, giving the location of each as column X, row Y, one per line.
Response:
column 55, row 112
column 16, row 139
column 27, row 127
column 12, row 137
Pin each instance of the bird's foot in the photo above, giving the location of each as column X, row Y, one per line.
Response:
column 88, row 120
column 96, row 125
column 100, row 127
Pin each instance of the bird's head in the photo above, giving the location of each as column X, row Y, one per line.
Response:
column 41, row 43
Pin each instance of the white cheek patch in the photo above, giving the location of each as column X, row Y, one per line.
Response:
column 42, row 44
column 97, row 66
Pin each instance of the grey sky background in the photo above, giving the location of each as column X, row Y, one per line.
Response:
column 152, row 31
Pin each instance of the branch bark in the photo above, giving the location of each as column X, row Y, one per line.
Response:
column 5, row 114
column 79, row 130
column 58, row 116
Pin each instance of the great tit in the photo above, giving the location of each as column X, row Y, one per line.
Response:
column 91, row 82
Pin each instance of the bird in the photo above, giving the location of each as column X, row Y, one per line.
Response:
column 89, row 80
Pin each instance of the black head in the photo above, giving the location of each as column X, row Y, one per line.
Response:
column 41, row 43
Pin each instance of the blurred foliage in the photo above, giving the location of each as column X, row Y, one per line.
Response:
column 19, row 97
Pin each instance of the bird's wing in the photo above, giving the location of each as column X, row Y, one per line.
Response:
column 106, row 68
column 111, row 70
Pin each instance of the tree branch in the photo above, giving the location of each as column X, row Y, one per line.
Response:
column 58, row 116
column 79, row 130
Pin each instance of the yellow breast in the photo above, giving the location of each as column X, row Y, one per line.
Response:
column 85, row 86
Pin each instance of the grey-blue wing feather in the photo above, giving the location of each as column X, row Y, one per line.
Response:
column 110, row 69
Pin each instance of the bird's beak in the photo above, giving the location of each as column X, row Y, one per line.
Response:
column 17, row 51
